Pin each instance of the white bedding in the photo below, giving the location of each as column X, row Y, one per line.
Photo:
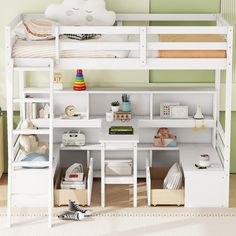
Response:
column 46, row 48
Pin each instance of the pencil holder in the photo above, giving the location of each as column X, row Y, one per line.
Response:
column 126, row 106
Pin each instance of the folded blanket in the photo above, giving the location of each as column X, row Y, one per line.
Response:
column 39, row 29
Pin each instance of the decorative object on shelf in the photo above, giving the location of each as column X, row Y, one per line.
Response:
column 58, row 83
column 71, row 113
column 126, row 104
column 165, row 109
column 109, row 116
column 41, row 113
column 179, row 112
column 35, row 157
column 121, row 130
column 73, row 138
column 115, row 106
column 34, row 110
column 164, row 138
column 204, row 162
column 74, row 177
column 119, row 167
column 198, row 115
column 79, row 83
column 46, row 111
column 74, row 173
column 123, row 116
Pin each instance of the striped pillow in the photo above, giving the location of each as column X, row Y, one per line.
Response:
column 174, row 178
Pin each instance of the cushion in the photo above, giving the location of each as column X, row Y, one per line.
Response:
column 36, row 157
column 83, row 36
column 81, row 13
column 174, row 178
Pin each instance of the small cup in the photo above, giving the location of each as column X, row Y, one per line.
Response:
column 109, row 116
column 126, row 106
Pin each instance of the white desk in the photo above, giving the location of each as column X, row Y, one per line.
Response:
column 118, row 142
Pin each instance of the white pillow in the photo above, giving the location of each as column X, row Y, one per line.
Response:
column 174, row 178
column 81, row 13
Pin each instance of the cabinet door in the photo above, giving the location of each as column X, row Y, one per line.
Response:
column 204, row 190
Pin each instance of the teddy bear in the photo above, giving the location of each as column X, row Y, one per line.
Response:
column 30, row 143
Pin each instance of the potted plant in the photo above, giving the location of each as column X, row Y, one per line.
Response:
column 115, row 106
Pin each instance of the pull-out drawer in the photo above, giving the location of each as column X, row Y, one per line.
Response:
column 156, row 194
column 80, row 196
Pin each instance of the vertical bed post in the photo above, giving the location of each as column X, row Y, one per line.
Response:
column 50, row 174
column 228, row 106
column 21, row 93
column 10, row 115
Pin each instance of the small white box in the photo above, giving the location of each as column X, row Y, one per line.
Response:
column 179, row 112
column 118, row 167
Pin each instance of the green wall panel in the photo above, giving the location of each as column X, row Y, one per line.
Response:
column 183, row 6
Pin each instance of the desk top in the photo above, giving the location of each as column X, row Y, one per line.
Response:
column 190, row 154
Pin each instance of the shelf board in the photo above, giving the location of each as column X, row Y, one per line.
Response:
column 31, row 100
column 31, row 131
column 68, row 123
column 150, row 146
column 89, row 146
column 34, row 90
column 177, row 123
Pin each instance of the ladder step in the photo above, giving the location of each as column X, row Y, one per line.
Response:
column 36, row 164
column 30, row 100
column 31, row 131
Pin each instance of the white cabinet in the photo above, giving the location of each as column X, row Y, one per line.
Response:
column 203, row 187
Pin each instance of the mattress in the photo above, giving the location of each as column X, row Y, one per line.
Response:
column 192, row 53
column 46, row 48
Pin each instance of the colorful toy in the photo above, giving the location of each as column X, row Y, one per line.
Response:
column 79, row 83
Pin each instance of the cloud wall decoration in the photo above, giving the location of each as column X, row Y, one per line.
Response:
column 81, row 13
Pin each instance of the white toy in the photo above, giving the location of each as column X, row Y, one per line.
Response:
column 198, row 115
column 74, row 173
column 81, row 13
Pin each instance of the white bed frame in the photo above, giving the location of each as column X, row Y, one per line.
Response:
column 23, row 65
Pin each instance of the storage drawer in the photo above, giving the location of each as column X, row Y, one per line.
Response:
column 30, row 181
column 156, row 194
column 80, row 196
column 30, row 200
column 119, row 167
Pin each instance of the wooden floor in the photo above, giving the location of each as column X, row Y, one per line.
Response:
column 118, row 195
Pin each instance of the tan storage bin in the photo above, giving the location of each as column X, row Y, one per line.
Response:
column 156, row 194
column 80, row 196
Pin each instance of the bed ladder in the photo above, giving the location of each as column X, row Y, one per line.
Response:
column 13, row 134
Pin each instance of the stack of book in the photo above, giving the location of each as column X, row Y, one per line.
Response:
column 70, row 184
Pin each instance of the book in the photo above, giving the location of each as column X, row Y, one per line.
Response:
column 116, row 130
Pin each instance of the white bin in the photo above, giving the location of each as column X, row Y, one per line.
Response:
column 118, row 167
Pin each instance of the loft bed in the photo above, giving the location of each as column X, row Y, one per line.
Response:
column 129, row 47
column 123, row 47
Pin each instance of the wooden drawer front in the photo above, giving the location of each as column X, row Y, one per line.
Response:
column 30, row 200
column 167, row 197
column 62, row 196
column 30, row 182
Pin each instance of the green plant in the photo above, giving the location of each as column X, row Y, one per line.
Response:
column 115, row 104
